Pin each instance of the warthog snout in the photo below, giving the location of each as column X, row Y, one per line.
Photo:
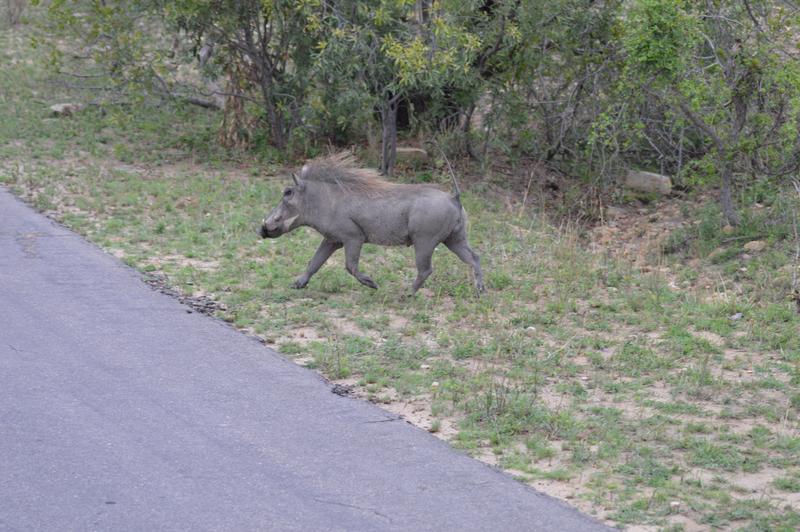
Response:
column 269, row 232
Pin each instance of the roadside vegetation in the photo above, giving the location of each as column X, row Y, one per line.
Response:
column 645, row 366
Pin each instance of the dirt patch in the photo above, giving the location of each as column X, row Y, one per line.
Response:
column 638, row 234
column 760, row 482
column 346, row 327
column 396, row 322
column 300, row 335
column 182, row 261
column 759, row 485
column 710, row 337
column 567, row 491
column 418, row 413
column 685, row 523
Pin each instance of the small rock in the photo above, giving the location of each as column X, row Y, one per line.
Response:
column 614, row 212
column 716, row 253
column 411, row 156
column 435, row 384
column 674, row 506
column 745, row 256
column 728, row 229
column 424, row 366
column 342, row 389
column 736, row 317
column 531, row 328
column 755, row 245
column 65, row 109
column 648, row 182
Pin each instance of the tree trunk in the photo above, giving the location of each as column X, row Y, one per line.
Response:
column 14, row 9
column 276, row 126
column 726, row 196
column 467, row 132
column 739, row 101
column 235, row 131
column 389, row 136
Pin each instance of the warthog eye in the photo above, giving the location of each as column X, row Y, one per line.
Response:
column 287, row 193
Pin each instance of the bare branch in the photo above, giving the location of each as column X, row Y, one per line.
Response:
column 698, row 122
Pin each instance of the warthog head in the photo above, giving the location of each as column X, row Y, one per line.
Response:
column 286, row 215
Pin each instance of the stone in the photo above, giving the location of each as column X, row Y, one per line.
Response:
column 648, row 182
column 716, row 253
column 411, row 156
column 614, row 212
column 66, row 109
column 755, row 245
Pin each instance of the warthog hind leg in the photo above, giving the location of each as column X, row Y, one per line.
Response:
column 466, row 254
column 423, row 254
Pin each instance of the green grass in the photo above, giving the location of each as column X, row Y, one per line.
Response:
column 573, row 370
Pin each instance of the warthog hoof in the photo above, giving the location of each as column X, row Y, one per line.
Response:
column 300, row 282
column 366, row 281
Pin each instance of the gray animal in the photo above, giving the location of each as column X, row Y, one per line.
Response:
column 351, row 206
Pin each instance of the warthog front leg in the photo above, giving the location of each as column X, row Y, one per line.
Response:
column 352, row 252
column 324, row 251
column 466, row 254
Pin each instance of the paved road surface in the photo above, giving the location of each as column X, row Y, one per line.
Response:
column 121, row 411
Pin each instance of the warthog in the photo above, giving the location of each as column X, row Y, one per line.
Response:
column 352, row 206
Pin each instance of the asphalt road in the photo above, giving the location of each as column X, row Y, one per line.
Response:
column 119, row 410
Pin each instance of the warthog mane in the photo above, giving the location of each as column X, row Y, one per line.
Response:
column 341, row 169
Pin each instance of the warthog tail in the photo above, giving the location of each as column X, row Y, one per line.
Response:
column 456, row 190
